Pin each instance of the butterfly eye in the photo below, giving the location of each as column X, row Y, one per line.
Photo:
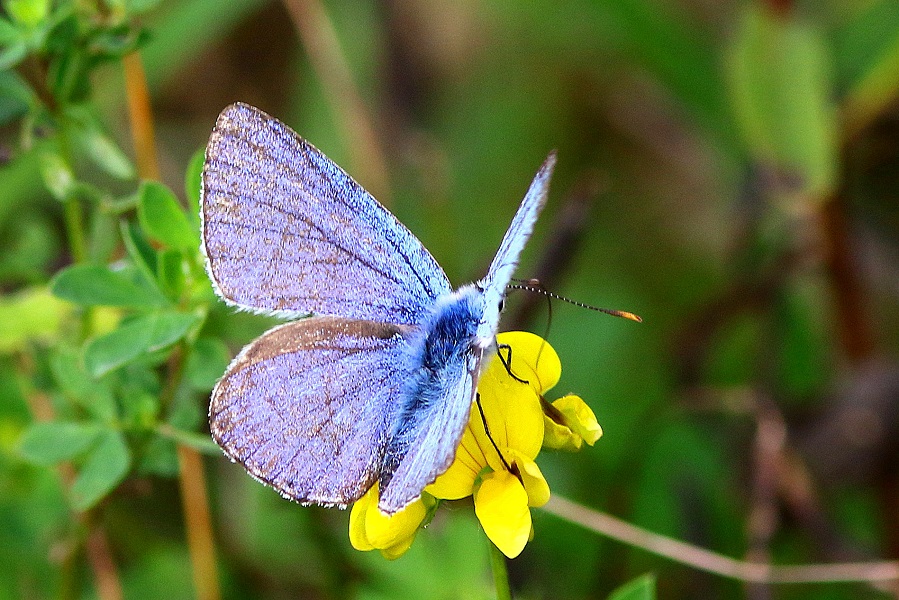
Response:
column 502, row 304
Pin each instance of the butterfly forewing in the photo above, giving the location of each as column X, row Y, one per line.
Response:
column 308, row 407
column 381, row 387
column 506, row 260
column 286, row 230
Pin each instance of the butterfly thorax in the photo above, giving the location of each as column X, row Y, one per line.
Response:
column 447, row 353
column 451, row 328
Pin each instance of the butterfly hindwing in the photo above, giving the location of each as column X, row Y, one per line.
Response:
column 380, row 387
column 287, row 231
column 425, row 444
column 309, row 406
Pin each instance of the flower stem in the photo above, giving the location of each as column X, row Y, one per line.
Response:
column 500, row 573
column 194, row 497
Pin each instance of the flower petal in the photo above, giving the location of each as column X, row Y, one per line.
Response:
column 560, row 437
column 458, row 481
column 384, row 531
column 501, row 505
column 398, row 549
column 512, row 411
column 578, row 417
column 358, row 537
column 391, row 534
column 533, row 359
column 532, row 479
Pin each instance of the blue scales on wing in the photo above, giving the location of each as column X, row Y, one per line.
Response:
column 437, row 399
column 287, row 231
column 379, row 386
column 308, row 408
column 506, row 260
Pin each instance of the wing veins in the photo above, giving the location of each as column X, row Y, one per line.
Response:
column 324, row 237
column 305, row 148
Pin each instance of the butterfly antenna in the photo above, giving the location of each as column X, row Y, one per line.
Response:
column 534, row 285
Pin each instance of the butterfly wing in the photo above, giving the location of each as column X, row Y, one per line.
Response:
column 429, row 432
column 506, row 260
column 287, row 231
column 308, row 407
column 425, row 443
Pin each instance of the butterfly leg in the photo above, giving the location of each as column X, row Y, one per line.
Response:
column 507, row 362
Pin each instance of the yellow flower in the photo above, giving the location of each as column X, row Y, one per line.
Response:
column 504, row 478
column 370, row 529
column 497, row 470
column 569, row 423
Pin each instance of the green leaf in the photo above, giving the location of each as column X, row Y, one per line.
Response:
column 805, row 352
column 57, row 175
column 139, row 6
column 11, row 54
column 53, row 442
column 780, row 83
column 104, row 468
column 158, row 457
column 163, row 218
column 171, row 272
column 105, row 153
column 867, row 62
column 90, row 285
column 139, row 250
column 208, row 359
column 94, row 396
column 140, row 409
column 641, row 588
column 197, row 441
column 30, row 315
column 193, row 184
column 28, row 12
column 9, row 33
column 67, row 75
column 864, row 40
column 116, row 41
column 139, row 336
column 15, row 96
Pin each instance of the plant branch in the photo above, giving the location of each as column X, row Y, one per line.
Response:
column 197, row 522
column 96, row 545
column 140, row 115
column 719, row 564
column 323, row 48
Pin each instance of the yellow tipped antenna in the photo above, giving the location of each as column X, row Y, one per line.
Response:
column 534, row 285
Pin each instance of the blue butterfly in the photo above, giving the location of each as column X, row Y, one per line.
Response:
column 378, row 385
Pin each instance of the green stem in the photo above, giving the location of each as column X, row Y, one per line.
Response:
column 75, row 229
column 500, row 573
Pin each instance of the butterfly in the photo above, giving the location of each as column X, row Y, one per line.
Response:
column 376, row 385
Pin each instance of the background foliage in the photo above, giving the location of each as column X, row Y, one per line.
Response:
column 726, row 169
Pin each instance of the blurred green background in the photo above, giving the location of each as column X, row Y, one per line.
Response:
column 727, row 170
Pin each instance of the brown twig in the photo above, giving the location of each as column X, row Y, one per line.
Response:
column 140, row 116
column 850, row 313
column 99, row 555
column 770, row 439
column 713, row 562
column 320, row 40
column 200, row 540
column 198, row 523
